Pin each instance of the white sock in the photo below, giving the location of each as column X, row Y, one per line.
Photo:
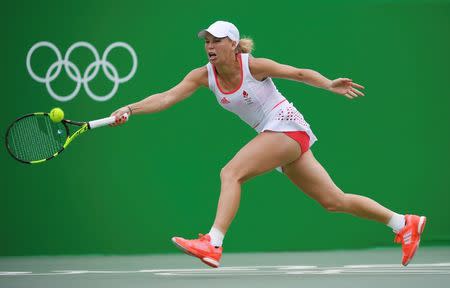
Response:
column 216, row 237
column 397, row 222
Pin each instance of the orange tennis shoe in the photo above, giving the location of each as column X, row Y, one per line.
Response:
column 200, row 248
column 409, row 236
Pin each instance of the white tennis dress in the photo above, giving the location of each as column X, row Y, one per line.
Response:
column 259, row 103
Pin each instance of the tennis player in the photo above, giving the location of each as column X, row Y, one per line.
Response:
column 243, row 85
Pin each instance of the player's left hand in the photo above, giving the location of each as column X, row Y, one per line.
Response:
column 346, row 87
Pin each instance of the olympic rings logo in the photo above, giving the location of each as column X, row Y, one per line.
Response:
column 74, row 72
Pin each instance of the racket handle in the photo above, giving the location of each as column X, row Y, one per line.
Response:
column 105, row 121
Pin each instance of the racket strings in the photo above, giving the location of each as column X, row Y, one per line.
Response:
column 36, row 138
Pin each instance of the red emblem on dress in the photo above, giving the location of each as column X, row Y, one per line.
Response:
column 224, row 100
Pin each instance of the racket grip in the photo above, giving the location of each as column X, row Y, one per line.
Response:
column 105, row 121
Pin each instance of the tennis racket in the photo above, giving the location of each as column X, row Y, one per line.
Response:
column 35, row 138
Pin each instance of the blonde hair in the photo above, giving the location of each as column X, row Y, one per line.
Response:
column 245, row 45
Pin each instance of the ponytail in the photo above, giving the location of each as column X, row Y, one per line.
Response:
column 245, row 45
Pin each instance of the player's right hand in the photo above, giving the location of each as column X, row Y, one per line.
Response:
column 121, row 118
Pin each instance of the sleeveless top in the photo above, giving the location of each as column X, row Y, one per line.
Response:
column 258, row 103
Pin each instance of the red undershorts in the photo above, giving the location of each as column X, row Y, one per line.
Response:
column 301, row 137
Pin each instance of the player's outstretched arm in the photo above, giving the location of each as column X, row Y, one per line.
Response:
column 262, row 68
column 161, row 101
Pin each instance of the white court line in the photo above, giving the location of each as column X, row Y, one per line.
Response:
column 13, row 273
column 394, row 265
column 274, row 273
column 369, row 271
column 375, row 269
column 266, row 266
column 297, row 267
column 201, row 270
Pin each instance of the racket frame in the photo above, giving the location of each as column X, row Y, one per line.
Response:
column 84, row 126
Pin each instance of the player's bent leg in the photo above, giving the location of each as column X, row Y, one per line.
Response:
column 265, row 152
column 307, row 174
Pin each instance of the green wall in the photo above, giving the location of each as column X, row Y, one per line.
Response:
column 131, row 188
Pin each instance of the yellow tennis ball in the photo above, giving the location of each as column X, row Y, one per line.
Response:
column 56, row 115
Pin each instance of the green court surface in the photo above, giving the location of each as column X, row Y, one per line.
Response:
column 360, row 268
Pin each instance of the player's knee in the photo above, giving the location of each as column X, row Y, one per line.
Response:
column 229, row 174
column 335, row 203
